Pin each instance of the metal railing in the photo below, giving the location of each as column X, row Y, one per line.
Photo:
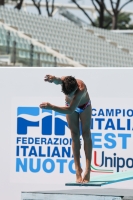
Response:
column 11, row 48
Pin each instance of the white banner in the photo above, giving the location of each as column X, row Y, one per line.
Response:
column 41, row 142
column 36, row 143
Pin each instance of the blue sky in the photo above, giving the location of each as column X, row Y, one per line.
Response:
column 128, row 7
column 80, row 14
column 88, row 2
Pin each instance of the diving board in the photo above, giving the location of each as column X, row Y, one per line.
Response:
column 101, row 180
column 91, row 183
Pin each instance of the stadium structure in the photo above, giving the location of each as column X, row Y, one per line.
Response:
column 28, row 39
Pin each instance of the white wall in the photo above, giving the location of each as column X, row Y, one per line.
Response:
column 108, row 89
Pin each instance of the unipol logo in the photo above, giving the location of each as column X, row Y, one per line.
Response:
column 35, row 117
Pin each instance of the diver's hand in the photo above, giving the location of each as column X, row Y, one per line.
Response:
column 46, row 105
column 49, row 78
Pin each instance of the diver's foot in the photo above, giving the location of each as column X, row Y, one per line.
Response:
column 86, row 177
column 78, row 176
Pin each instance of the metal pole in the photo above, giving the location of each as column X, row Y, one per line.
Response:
column 8, row 43
column 14, row 52
column 55, row 61
column 38, row 61
column 31, row 55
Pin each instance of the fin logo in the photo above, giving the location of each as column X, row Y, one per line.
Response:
column 32, row 116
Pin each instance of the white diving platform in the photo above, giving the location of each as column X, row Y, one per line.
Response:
column 76, row 194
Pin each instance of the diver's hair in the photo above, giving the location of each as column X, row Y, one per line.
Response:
column 69, row 84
